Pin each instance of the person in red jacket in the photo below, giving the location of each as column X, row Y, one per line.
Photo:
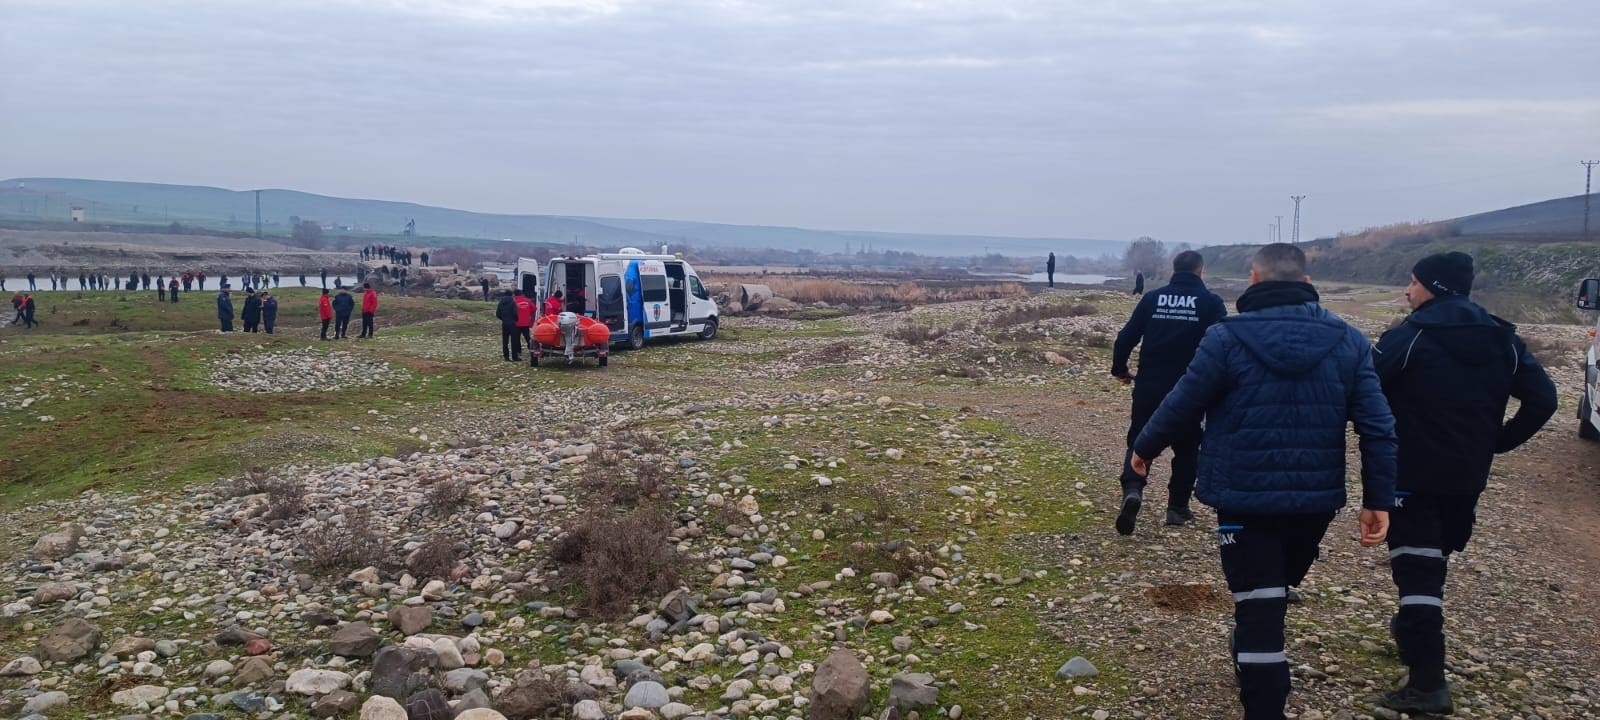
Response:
column 525, row 312
column 552, row 303
column 369, row 309
column 325, row 312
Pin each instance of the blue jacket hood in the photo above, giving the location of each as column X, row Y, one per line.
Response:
column 1289, row 340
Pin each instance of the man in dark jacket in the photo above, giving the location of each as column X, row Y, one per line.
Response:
column 28, row 307
column 1138, row 283
column 1169, row 323
column 510, row 343
column 269, row 312
column 251, row 313
column 225, row 309
column 1277, row 384
column 1449, row 371
column 343, row 305
column 1050, row 270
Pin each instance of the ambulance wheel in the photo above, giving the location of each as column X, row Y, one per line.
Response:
column 1586, row 429
column 710, row 330
column 636, row 338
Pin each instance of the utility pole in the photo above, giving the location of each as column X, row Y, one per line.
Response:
column 1277, row 229
column 258, row 214
column 1297, row 199
column 1588, row 171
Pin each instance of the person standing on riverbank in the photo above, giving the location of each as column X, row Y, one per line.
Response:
column 269, row 311
column 225, row 309
column 369, row 311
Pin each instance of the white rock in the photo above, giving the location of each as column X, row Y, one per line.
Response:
column 449, row 654
column 316, row 682
column 140, row 697
column 880, row 617
column 379, row 707
column 219, row 668
column 671, row 711
column 42, row 704
column 480, row 714
column 22, row 666
column 585, row 710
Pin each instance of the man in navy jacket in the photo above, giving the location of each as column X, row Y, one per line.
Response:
column 1277, row 385
column 1168, row 323
column 1449, row 371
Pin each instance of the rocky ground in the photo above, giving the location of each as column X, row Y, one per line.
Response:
column 898, row 513
column 304, row 370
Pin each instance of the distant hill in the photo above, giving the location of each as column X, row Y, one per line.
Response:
column 1529, row 258
column 128, row 202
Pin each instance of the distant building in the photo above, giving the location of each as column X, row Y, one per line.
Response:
column 77, row 214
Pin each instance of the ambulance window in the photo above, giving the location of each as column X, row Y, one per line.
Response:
column 654, row 287
column 697, row 289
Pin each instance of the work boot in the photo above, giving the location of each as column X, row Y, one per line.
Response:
column 1179, row 516
column 1293, row 596
column 1414, row 702
column 1132, row 500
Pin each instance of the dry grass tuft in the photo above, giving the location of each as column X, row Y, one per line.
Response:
column 614, row 560
column 352, row 544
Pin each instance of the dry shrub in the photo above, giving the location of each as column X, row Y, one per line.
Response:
column 286, row 498
column 447, row 494
column 916, row 333
column 253, row 481
column 837, row 353
column 1091, row 338
column 613, row 477
column 1405, row 233
column 435, row 557
column 900, row 557
column 1036, row 313
column 350, row 545
column 614, row 560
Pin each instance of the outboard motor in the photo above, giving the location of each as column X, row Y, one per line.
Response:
column 570, row 336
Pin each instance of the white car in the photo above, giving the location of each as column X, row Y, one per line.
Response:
column 1589, row 406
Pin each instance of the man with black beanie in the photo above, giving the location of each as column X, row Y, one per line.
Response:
column 1448, row 371
column 510, row 342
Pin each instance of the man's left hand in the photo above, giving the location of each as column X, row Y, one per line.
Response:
column 1141, row 466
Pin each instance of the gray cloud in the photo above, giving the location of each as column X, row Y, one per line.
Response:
column 1187, row 121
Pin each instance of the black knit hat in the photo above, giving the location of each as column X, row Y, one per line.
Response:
column 1445, row 273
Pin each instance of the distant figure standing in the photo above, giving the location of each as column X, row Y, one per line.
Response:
column 1138, row 283
column 224, row 309
column 251, row 313
column 506, row 312
column 172, row 290
column 369, row 311
column 269, row 311
column 302, row 279
column 1050, row 270
column 144, row 281
column 277, row 282
column 325, row 312
column 161, row 291
column 27, row 312
column 481, row 281
column 31, row 286
column 202, row 280
column 324, row 278
column 16, row 305
column 343, row 304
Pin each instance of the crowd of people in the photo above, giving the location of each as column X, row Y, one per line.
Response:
column 1255, row 408
column 259, row 311
column 395, row 255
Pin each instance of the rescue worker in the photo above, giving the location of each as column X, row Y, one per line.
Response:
column 552, row 303
column 1449, row 371
column 251, row 313
column 369, row 310
column 343, row 304
column 526, row 309
column 225, row 310
column 27, row 312
column 269, row 311
column 325, row 312
column 1167, row 324
column 1277, row 384
column 506, row 311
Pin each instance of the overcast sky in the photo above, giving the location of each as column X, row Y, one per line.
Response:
column 1187, row 121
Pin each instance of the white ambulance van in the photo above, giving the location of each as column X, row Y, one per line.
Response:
column 1589, row 405
column 639, row 296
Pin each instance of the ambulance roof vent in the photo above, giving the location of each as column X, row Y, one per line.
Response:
column 630, row 251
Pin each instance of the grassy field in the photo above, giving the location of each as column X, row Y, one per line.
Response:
column 121, row 382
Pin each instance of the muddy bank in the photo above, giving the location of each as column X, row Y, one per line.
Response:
column 38, row 251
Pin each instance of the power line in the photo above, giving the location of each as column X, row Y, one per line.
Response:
column 1297, row 199
column 1588, row 171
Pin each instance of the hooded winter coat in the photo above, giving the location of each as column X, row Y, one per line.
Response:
column 369, row 302
column 324, row 308
column 343, row 304
column 252, row 309
column 506, row 311
column 1277, row 385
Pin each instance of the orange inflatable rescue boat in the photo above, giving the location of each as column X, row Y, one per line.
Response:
column 571, row 335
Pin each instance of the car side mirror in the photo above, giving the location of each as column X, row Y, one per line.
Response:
column 1589, row 294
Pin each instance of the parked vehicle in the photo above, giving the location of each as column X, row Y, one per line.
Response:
column 1589, row 405
column 637, row 295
